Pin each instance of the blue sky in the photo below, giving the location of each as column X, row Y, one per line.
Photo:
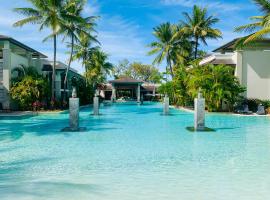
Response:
column 125, row 27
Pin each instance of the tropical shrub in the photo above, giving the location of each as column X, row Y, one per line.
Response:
column 217, row 83
column 168, row 89
column 28, row 91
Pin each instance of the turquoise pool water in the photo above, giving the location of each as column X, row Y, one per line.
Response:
column 134, row 153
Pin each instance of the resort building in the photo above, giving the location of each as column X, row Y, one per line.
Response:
column 15, row 54
column 251, row 66
column 60, row 72
column 129, row 89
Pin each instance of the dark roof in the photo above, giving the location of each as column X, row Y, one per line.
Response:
column 230, row 46
column 16, row 42
column 126, row 80
column 149, row 88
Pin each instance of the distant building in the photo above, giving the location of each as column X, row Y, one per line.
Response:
column 251, row 66
column 14, row 54
column 129, row 89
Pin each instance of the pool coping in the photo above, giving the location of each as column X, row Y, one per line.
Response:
column 222, row 113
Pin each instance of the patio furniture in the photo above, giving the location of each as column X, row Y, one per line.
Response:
column 261, row 110
column 244, row 109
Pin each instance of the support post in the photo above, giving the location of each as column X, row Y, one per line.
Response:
column 96, row 106
column 74, row 109
column 74, row 114
column 113, row 97
column 199, row 114
column 139, row 93
column 6, row 75
column 166, row 105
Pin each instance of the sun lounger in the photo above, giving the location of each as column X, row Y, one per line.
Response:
column 244, row 110
column 261, row 110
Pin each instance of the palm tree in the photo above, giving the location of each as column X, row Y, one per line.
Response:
column 97, row 67
column 199, row 26
column 74, row 26
column 22, row 71
column 169, row 46
column 83, row 48
column 47, row 14
column 259, row 28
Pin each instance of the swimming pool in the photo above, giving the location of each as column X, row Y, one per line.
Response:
column 133, row 152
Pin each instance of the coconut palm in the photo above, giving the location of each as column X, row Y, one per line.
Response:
column 74, row 26
column 261, row 25
column 83, row 48
column 199, row 26
column 168, row 46
column 22, row 71
column 47, row 14
column 97, row 67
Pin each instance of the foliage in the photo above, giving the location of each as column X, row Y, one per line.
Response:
column 47, row 14
column 18, row 73
column 29, row 90
column 169, row 46
column 97, row 67
column 218, row 84
column 168, row 89
column 121, row 69
column 199, row 26
column 259, row 28
column 84, row 91
column 76, row 26
column 137, row 70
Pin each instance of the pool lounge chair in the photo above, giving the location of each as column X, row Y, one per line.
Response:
column 261, row 110
column 244, row 110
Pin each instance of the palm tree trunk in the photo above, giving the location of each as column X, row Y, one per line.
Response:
column 170, row 65
column 196, row 47
column 54, row 66
column 68, row 67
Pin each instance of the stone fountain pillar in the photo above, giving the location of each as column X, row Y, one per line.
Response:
column 166, row 105
column 74, row 108
column 74, row 104
column 199, row 114
column 96, row 105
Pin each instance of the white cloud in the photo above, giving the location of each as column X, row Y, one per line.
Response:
column 92, row 8
column 121, row 39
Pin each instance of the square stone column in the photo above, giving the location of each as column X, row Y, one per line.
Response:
column 166, row 105
column 6, row 75
column 74, row 107
column 199, row 114
column 113, row 97
column 139, row 93
column 96, row 106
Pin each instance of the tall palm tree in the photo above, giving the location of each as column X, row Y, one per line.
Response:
column 74, row 26
column 259, row 28
column 199, row 25
column 167, row 46
column 47, row 14
column 83, row 48
column 97, row 67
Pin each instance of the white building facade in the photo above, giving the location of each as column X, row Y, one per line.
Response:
column 251, row 64
column 14, row 54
